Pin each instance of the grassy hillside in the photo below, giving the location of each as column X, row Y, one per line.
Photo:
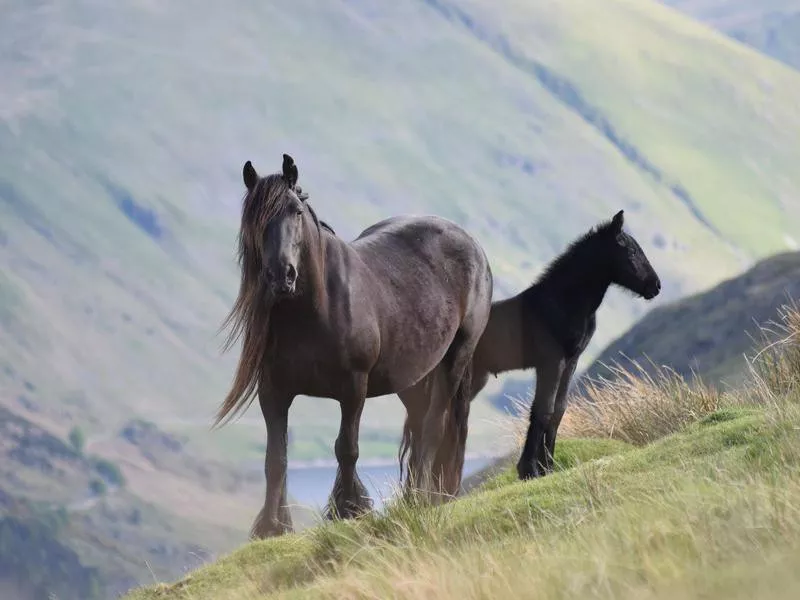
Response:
column 123, row 128
column 711, row 333
column 700, row 506
column 770, row 26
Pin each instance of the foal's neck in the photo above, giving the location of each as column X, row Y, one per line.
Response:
column 582, row 296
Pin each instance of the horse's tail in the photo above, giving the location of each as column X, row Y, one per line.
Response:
column 403, row 453
column 456, row 429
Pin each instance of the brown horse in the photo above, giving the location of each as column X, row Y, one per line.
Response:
column 547, row 327
column 405, row 302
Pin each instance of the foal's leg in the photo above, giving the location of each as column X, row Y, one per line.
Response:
column 549, row 447
column 274, row 518
column 548, row 376
column 349, row 497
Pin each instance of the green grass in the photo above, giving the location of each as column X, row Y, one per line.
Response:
column 708, row 508
column 689, row 508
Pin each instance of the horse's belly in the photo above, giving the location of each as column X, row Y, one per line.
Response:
column 411, row 352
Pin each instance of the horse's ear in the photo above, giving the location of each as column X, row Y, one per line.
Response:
column 618, row 221
column 289, row 170
column 249, row 176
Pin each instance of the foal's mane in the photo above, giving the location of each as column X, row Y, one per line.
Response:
column 579, row 256
column 249, row 315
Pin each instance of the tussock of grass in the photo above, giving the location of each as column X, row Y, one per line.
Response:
column 697, row 500
column 637, row 407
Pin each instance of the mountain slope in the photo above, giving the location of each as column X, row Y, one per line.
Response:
column 120, row 189
column 709, row 334
column 770, row 26
column 123, row 129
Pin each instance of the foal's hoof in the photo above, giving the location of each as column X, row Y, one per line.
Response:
column 528, row 470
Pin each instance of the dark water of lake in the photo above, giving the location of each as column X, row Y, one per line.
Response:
column 311, row 486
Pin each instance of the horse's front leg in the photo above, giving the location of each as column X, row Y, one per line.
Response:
column 274, row 518
column 349, row 497
column 548, row 376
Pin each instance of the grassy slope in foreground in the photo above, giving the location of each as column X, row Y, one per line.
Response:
column 709, row 334
column 684, row 514
column 707, row 505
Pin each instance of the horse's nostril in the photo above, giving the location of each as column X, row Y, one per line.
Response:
column 291, row 273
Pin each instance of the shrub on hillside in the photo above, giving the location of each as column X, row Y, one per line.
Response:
column 77, row 439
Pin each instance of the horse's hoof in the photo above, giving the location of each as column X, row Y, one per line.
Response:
column 272, row 530
column 350, row 508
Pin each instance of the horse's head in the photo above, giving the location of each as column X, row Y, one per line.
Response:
column 629, row 266
column 275, row 227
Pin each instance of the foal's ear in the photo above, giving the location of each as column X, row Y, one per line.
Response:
column 249, row 176
column 289, row 170
column 618, row 221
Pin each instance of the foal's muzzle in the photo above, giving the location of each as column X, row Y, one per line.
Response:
column 652, row 289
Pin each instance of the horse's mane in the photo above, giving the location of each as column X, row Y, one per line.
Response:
column 249, row 315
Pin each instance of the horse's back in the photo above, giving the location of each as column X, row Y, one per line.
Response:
column 423, row 279
column 421, row 235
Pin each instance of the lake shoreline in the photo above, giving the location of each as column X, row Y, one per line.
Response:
column 327, row 463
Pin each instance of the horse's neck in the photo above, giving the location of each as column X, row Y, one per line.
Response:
column 319, row 258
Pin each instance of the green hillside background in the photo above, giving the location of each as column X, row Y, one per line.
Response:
column 770, row 26
column 123, row 129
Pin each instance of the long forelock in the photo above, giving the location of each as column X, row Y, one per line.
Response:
column 262, row 204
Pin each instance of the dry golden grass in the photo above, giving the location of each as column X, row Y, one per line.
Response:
column 639, row 407
column 642, row 405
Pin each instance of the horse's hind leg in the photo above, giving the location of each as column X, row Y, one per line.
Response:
column 548, row 376
column 415, row 399
column 549, row 447
column 274, row 518
column 349, row 497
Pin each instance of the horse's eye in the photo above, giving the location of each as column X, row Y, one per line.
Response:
column 298, row 212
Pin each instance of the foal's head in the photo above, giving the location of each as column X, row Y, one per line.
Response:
column 277, row 225
column 628, row 266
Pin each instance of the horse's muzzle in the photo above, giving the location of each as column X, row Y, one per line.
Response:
column 284, row 288
column 286, row 283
